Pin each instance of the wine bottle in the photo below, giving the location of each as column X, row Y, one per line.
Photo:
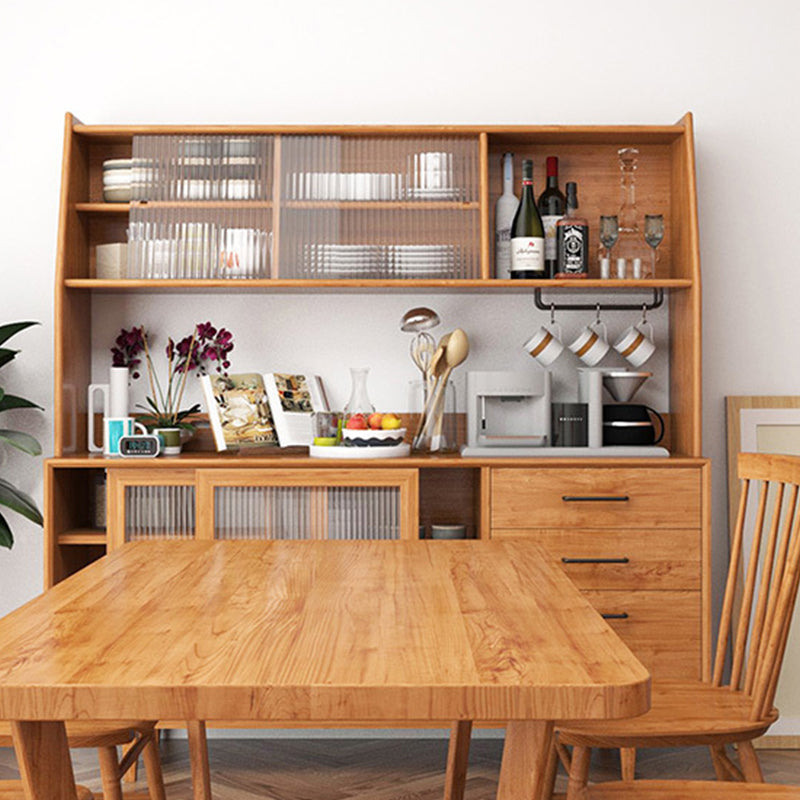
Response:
column 572, row 240
column 503, row 216
column 551, row 207
column 527, row 232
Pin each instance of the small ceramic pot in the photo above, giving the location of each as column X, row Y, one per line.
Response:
column 170, row 440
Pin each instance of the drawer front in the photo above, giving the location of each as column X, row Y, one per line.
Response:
column 630, row 559
column 596, row 497
column 661, row 628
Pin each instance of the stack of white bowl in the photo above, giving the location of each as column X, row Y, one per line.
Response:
column 117, row 179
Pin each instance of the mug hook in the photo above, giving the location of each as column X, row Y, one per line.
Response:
column 597, row 318
column 552, row 314
column 644, row 313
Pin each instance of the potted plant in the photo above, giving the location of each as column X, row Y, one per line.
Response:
column 164, row 415
column 11, row 497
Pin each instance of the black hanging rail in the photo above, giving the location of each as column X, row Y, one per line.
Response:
column 657, row 302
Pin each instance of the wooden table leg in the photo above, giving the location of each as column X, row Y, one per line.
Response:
column 524, row 764
column 198, row 760
column 457, row 760
column 43, row 759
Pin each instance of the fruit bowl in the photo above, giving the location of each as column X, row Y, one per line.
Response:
column 366, row 437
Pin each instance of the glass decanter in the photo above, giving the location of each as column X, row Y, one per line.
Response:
column 359, row 403
column 631, row 244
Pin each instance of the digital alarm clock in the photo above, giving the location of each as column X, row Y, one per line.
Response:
column 139, row 446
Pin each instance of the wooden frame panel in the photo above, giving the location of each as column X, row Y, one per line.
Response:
column 406, row 480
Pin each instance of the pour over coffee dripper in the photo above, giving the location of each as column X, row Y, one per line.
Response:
column 623, row 385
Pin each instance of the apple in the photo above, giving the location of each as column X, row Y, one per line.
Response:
column 390, row 422
column 357, row 422
column 375, row 420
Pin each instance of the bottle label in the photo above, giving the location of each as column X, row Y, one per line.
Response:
column 573, row 249
column 527, row 253
column 550, row 248
column 502, row 252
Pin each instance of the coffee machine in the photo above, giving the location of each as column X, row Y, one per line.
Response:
column 507, row 410
column 622, row 424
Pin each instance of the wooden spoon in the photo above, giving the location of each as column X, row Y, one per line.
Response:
column 455, row 354
column 436, row 367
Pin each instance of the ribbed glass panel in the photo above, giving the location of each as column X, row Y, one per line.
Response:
column 159, row 512
column 291, row 512
column 379, row 207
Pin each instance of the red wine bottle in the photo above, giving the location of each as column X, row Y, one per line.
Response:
column 552, row 205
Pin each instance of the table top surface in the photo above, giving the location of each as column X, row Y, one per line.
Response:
column 317, row 630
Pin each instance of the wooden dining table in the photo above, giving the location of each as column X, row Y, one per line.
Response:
column 316, row 632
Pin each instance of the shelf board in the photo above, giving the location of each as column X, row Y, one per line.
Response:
column 83, row 536
column 124, row 208
column 298, row 284
column 358, row 205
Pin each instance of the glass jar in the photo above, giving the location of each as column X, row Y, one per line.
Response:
column 440, row 434
column 359, row 403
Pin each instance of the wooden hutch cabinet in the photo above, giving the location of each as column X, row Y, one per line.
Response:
column 633, row 533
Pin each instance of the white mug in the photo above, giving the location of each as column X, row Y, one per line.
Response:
column 591, row 345
column 636, row 344
column 545, row 346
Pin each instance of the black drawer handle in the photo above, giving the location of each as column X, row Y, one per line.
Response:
column 623, row 560
column 595, row 498
column 623, row 615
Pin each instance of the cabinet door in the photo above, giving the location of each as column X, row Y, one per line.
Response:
column 307, row 504
column 150, row 504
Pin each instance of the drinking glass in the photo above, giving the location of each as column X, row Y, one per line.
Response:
column 609, row 233
column 654, row 235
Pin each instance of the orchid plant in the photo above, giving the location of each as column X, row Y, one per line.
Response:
column 197, row 352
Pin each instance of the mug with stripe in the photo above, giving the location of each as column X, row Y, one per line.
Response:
column 591, row 344
column 545, row 345
column 636, row 344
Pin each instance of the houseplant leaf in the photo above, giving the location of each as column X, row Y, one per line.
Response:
column 12, row 328
column 6, row 537
column 22, row 441
column 18, row 501
column 9, row 401
column 7, row 355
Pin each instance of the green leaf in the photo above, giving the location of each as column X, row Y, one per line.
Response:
column 22, row 441
column 9, row 401
column 7, row 355
column 20, row 502
column 2, row 394
column 13, row 328
column 6, row 537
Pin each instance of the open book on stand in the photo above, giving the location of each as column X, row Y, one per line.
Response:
column 254, row 410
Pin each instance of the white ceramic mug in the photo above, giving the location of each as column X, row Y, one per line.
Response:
column 545, row 345
column 636, row 343
column 591, row 344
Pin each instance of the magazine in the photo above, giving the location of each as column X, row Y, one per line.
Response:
column 238, row 410
column 293, row 399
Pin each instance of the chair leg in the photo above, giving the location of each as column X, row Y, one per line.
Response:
column 579, row 772
column 551, row 770
column 152, row 766
column 457, row 760
column 627, row 762
column 109, row 772
column 131, row 775
column 751, row 768
column 724, row 768
column 198, row 758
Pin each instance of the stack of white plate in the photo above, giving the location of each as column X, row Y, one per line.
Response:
column 117, row 180
column 422, row 260
column 345, row 260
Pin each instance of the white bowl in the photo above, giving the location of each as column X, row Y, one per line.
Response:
column 117, row 194
column 118, row 163
column 373, row 438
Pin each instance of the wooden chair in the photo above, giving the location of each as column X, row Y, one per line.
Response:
column 759, row 599
column 137, row 738
column 690, row 790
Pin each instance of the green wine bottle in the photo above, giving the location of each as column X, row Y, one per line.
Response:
column 527, row 232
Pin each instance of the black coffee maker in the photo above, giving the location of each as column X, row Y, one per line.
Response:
column 629, row 423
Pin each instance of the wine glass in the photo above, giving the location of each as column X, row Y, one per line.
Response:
column 609, row 233
column 654, row 235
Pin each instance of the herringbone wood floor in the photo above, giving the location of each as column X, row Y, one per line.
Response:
column 380, row 769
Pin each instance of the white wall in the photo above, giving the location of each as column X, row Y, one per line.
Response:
column 733, row 63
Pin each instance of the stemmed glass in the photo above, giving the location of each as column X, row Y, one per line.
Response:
column 609, row 233
column 654, row 235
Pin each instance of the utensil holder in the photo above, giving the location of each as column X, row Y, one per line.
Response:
column 440, row 433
